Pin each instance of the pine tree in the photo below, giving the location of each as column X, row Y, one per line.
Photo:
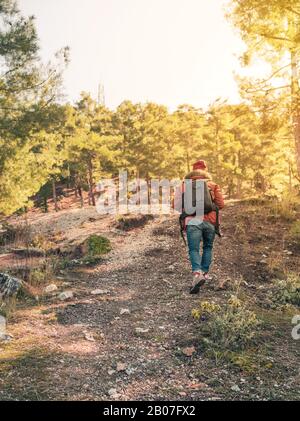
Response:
column 272, row 33
column 27, row 110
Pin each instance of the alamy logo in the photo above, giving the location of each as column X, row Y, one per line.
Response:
column 138, row 196
column 296, row 330
column 2, row 325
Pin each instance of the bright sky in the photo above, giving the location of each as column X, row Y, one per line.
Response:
column 168, row 51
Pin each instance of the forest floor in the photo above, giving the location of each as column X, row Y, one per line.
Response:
column 136, row 339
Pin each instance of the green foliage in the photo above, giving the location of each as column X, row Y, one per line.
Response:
column 28, row 169
column 66, row 263
column 28, row 115
column 37, row 277
column 295, row 231
column 286, row 292
column 271, row 34
column 231, row 327
column 286, row 207
column 98, row 245
column 248, row 147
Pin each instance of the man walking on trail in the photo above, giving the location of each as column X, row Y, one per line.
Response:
column 202, row 229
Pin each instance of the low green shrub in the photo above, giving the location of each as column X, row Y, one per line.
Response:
column 231, row 327
column 295, row 231
column 285, row 293
column 128, row 223
column 98, row 245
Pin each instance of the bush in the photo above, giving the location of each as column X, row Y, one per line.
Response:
column 128, row 223
column 286, row 292
column 231, row 327
column 15, row 234
column 42, row 243
column 98, row 245
column 287, row 207
column 295, row 231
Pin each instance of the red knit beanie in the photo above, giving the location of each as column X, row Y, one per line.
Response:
column 200, row 165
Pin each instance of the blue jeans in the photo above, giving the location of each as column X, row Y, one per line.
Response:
column 195, row 234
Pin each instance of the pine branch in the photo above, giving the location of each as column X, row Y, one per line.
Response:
column 268, row 36
column 297, row 177
column 265, row 90
column 275, row 73
column 29, row 88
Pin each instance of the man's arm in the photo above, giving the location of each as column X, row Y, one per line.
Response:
column 219, row 198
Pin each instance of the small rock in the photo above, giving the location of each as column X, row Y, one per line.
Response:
column 124, row 311
column 67, row 295
column 89, row 337
column 198, row 386
column 189, row 351
column 51, row 288
column 100, row 292
column 141, row 330
column 112, row 393
column 235, row 388
column 5, row 337
column 111, row 372
column 121, row 367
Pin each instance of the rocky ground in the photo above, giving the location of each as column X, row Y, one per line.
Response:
column 127, row 333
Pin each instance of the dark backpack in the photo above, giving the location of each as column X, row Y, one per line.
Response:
column 209, row 205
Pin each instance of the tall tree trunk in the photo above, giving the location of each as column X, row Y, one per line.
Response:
column 295, row 107
column 239, row 186
column 188, row 161
column 45, row 204
column 79, row 189
column 217, row 152
column 92, row 200
column 290, row 177
column 54, row 195
column 69, row 182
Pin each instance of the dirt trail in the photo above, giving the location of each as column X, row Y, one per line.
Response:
column 129, row 341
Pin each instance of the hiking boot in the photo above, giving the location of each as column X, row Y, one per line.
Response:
column 199, row 281
column 207, row 277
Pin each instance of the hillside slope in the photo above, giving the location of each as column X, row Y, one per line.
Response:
column 136, row 338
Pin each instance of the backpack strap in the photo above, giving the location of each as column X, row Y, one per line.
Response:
column 182, row 226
